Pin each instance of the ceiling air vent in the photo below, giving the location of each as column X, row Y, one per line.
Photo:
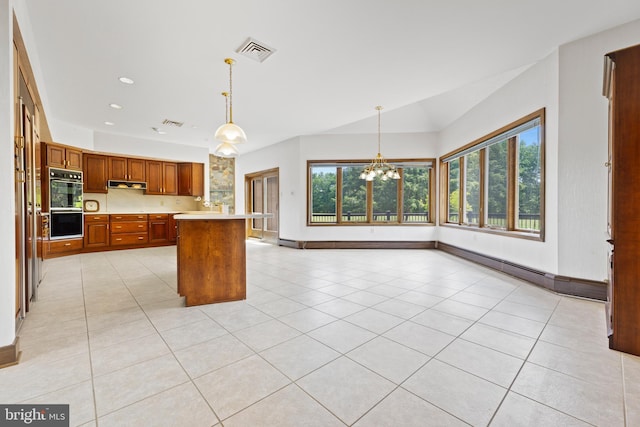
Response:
column 255, row 50
column 172, row 123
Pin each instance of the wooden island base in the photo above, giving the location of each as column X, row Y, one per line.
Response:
column 211, row 259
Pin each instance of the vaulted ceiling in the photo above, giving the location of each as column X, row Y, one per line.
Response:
column 426, row 61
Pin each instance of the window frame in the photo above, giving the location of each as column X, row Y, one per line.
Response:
column 400, row 163
column 482, row 145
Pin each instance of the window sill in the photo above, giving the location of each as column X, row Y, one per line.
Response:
column 515, row 234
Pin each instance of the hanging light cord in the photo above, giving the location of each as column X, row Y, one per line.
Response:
column 226, row 106
column 379, row 108
column 230, row 62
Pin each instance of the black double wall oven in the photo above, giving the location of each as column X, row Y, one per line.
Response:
column 65, row 204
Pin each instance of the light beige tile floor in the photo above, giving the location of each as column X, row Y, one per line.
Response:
column 325, row 338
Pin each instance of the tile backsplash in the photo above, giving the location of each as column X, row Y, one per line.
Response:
column 129, row 200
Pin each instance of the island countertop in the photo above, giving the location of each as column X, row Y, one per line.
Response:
column 203, row 215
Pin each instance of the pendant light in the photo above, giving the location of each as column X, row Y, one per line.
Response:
column 379, row 166
column 230, row 132
column 225, row 148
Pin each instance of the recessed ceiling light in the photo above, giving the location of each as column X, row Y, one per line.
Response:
column 126, row 80
column 115, row 106
column 158, row 130
column 109, row 123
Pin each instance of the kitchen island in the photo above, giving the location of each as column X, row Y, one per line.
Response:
column 212, row 257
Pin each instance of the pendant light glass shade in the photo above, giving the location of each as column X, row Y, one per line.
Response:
column 226, row 149
column 230, row 132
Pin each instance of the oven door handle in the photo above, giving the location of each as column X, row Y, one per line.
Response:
column 66, row 210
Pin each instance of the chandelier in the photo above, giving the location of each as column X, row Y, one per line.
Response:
column 229, row 133
column 379, row 166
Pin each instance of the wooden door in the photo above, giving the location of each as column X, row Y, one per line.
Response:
column 19, row 196
column 73, row 159
column 118, row 168
column 29, row 208
column 170, row 178
column 154, row 177
column 135, row 170
column 96, row 235
column 56, row 156
column 95, row 173
column 625, row 201
column 158, row 229
column 262, row 195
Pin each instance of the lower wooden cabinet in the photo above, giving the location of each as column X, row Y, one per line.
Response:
column 173, row 229
column 103, row 232
column 129, row 230
column 62, row 247
column 96, row 231
column 158, row 228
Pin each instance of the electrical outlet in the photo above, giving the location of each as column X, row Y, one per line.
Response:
column 161, row 202
column 177, row 201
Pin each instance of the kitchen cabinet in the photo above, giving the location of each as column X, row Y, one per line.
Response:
column 173, row 229
column 62, row 247
column 128, row 229
column 162, row 177
column 191, row 179
column 158, row 228
column 94, row 168
column 60, row 156
column 127, row 169
column 622, row 88
column 96, row 231
column 211, row 259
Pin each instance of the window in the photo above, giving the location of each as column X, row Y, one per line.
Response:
column 323, row 195
column 497, row 183
column 337, row 195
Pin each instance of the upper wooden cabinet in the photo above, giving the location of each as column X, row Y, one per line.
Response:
column 59, row 156
column 162, row 177
column 95, row 168
column 191, row 179
column 126, row 169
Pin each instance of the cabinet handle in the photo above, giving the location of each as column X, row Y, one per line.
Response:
column 119, row 238
column 118, row 226
column 140, row 238
column 118, row 217
column 140, row 226
column 67, row 244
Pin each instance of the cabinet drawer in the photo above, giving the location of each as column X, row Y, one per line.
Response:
column 128, row 217
column 129, row 227
column 129, row 239
column 158, row 216
column 96, row 218
column 60, row 246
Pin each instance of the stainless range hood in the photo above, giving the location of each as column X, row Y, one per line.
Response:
column 127, row 184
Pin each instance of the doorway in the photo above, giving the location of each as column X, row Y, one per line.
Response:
column 262, row 195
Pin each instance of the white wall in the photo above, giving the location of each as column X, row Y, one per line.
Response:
column 583, row 152
column 286, row 157
column 65, row 133
column 535, row 88
column 291, row 157
column 7, row 207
